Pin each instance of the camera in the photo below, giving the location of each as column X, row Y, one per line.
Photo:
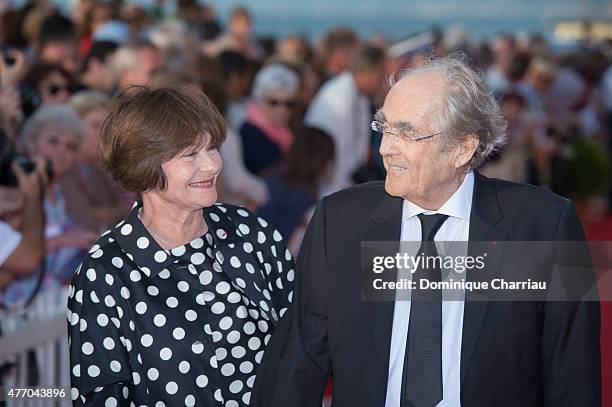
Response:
column 8, row 155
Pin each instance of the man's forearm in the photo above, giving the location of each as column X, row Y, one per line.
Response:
column 30, row 251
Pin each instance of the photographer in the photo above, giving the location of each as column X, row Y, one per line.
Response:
column 22, row 224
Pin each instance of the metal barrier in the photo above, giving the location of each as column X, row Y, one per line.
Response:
column 35, row 342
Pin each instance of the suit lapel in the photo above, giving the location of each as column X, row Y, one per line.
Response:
column 386, row 226
column 485, row 214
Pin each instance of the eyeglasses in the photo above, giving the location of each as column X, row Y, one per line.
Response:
column 383, row 129
column 290, row 104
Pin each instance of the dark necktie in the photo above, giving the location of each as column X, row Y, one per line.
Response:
column 422, row 374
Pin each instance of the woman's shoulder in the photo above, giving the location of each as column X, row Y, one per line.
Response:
column 235, row 213
column 97, row 262
column 243, row 220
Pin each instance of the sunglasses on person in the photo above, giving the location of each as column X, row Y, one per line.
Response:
column 290, row 104
column 54, row 89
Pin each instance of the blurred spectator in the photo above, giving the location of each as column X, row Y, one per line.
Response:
column 21, row 224
column 135, row 63
column 293, row 49
column 200, row 17
column 238, row 185
column 502, row 48
column 338, row 45
column 32, row 23
column 45, row 84
column 97, row 72
column 567, row 92
column 10, row 110
column 295, row 190
column 536, row 85
column 518, row 67
column 265, row 135
column 11, row 27
column 54, row 133
column 238, row 36
column 236, row 73
column 136, row 19
column 511, row 162
column 176, row 41
column 95, row 14
column 56, row 42
column 342, row 109
column 94, row 200
column 535, row 88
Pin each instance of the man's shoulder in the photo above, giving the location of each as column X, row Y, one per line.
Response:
column 521, row 195
column 335, row 91
column 359, row 197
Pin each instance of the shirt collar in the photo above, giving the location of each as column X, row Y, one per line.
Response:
column 138, row 244
column 458, row 205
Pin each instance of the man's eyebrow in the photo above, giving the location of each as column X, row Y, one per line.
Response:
column 404, row 126
column 379, row 116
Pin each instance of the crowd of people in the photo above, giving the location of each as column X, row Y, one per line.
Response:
column 298, row 113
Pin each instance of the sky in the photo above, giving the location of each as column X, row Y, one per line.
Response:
column 396, row 17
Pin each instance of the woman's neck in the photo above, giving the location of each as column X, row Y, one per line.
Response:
column 173, row 225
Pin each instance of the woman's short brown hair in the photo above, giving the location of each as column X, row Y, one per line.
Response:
column 149, row 125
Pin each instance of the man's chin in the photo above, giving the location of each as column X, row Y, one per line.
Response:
column 392, row 188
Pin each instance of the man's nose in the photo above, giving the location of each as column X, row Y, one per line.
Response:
column 388, row 146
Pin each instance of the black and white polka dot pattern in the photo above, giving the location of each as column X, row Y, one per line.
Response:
column 186, row 326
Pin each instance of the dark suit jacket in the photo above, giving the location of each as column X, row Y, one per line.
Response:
column 512, row 353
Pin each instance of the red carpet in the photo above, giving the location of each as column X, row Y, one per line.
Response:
column 603, row 231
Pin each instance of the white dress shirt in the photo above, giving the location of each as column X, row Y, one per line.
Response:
column 455, row 228
column 10, row 240
column 340, row 110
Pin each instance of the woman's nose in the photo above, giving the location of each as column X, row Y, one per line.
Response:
column 211, row 163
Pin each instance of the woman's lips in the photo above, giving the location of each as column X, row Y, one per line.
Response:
column 203, row 184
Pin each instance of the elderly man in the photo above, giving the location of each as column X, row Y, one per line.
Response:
column 439, row 123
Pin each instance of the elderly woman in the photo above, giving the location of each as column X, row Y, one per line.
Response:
column 95, row 200
column 265, row 135
column 175, row 305
column 54, row 133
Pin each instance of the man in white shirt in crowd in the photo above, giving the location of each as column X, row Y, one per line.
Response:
column 342, row 109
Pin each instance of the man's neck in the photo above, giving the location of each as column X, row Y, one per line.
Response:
column 433, row 202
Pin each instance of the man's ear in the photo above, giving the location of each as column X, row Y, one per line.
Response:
column 466, row 150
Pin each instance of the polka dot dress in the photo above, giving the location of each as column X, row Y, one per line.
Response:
column 186, row 326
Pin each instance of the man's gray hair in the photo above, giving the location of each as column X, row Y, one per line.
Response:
column 57, row 117
column 467, row 107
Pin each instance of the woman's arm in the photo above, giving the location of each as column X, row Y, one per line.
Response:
column 99, row 365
